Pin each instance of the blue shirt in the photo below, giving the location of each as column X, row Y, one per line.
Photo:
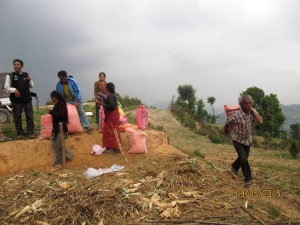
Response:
column 74, row 89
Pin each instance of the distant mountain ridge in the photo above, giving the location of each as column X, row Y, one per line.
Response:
column 291, row 113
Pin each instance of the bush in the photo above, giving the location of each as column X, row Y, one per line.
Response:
column 127, row 101
column 217, row 139
column 184, row 117
column 294, row 148
column 198, row 154
column 202, row 131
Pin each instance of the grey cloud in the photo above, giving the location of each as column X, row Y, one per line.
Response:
column 147, row 48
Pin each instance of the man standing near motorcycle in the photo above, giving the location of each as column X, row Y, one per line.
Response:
column 18, row 84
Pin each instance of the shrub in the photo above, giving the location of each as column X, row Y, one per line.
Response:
column 294, row 148
column 202, row 131
column 184, row 117
column 198, row 154
column 217, row 139
column 127, row 101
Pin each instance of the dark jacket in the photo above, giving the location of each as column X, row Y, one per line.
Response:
column 59, row 114
column 20, row 82
column 110, row 103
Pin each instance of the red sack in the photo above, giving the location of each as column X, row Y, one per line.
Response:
column 101, row 118
column 138, row 143
column 46, row 127
column 74, row 125
column 142, row 117
column 230, row 109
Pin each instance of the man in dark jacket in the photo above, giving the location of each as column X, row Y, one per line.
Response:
column 18, row 84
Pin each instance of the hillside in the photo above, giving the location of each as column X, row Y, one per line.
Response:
column 291, row 112
column 184, row 179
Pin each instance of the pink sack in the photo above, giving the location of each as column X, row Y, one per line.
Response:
column 46, row 127
column 138, row 143
column 74, row 125
column 229, row 110
column 142, row 117
column 101, row 118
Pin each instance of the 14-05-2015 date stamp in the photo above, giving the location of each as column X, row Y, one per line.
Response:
column 258, row 193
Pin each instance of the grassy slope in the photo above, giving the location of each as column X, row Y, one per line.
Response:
column 272, row 170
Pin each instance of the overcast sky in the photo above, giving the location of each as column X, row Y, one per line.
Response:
column 149, row 47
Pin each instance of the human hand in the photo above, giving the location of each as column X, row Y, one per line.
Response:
column 17, row 93
column 253, row 110
column 28, row 77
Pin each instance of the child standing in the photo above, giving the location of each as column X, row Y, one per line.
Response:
column 59, row 114
column 111, row 121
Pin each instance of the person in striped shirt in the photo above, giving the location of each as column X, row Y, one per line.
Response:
column 241, row 124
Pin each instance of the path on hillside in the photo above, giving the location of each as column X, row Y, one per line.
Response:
column 270, row 174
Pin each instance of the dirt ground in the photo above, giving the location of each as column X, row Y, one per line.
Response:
column 166, row 186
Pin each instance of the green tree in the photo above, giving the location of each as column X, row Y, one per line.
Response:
column 186, row 97
column 257, row 95
column 294, row 148
column 200, row 113
column 295, row 131
column 269, row 107
column 273, row 116
column 211, row 101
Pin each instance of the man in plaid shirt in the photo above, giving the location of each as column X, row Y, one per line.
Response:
column 241, row 124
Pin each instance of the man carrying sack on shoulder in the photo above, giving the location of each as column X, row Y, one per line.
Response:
column 241, row 124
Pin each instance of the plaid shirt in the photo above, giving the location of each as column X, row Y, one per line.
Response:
column 242, row 126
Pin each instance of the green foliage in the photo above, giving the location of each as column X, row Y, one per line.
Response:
column 184, row 117
column 127, row 101
column 131, row 118
column 186, row 97
column 269, row 108
column 198, row 154
column 9, row 128
column 200, row 115
column 211, row 101
column 273, row 116
column 294, row 148
column 217, row 138
column 257, row 95
column 295, row 131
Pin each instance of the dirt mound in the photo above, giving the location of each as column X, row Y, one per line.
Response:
column 34, row 154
